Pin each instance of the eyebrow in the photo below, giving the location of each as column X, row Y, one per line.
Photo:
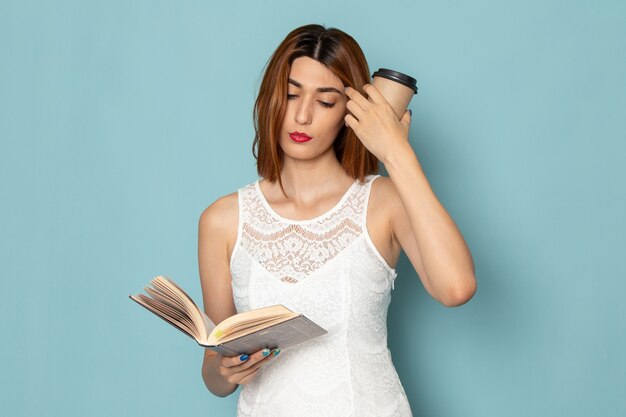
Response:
column 320, row 89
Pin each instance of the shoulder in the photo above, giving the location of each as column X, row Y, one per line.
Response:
column 386, row 202
column 384, row 194
column 222, row 217
column 221, row 209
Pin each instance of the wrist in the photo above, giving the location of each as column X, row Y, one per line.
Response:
column 399, row 157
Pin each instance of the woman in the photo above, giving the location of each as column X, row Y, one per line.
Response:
column 319, row 233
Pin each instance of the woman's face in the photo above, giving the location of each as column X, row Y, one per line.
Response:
column 316, row 106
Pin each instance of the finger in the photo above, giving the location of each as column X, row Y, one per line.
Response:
column 258, row 357
column 407, row 117
column 374, row 94
column 357, row 97
column 248, row 360
column 249, row 377
column 235, row 374
column 355, row 109
column 351, row 122
column 247, row 367
column 253, row 363
column 230, row 361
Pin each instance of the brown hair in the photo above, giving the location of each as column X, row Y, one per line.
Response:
column 340, row 53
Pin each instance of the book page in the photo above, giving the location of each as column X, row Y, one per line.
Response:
column 253, row 328
column 172, row 312
column 248, row 324
column 150, row 305
column 248, row 318
column 180, row 296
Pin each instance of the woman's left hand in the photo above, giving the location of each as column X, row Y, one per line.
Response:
column 375, row 123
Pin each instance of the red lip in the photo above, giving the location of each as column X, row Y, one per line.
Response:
column 299, row 137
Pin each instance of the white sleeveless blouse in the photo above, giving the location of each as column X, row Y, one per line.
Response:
column 328, row 269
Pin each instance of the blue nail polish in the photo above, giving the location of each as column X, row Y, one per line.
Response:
column 265, row 352
column 276, row 352
column 410, row 112
column 244, row 357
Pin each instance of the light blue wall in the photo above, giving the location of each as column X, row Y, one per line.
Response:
column 121, row 121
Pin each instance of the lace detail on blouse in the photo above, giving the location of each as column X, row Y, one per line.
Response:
column 293, row 251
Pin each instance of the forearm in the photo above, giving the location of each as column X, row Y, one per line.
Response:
column 213, row 380
column 445, row 255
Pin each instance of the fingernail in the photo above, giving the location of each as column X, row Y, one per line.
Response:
column 244, row 357
column 410, row 112
column 276, row 351
column 266, row 352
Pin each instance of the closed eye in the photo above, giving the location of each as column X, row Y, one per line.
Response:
column 323, row 103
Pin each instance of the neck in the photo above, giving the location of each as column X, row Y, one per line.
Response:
column 307, row 179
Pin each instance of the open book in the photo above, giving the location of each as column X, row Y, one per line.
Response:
column 245, row 332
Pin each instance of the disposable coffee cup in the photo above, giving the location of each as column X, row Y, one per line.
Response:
column 397, row 88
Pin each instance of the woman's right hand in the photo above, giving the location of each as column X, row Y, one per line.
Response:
column 242, row 369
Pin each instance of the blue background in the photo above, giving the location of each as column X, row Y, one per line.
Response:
column 121, row 121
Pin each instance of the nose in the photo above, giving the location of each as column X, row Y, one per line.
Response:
column 304, row 111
